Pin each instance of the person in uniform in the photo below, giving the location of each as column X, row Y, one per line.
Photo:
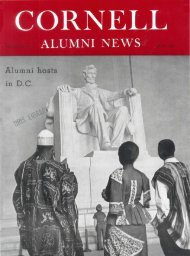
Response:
column 100, row 225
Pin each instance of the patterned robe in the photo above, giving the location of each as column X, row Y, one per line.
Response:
column 176, row 176
column 126, row 230
column 44, row 200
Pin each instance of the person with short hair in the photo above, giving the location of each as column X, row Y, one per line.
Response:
column 100, row 225
column 44, row 200
column 172, row 194
column 127, row 217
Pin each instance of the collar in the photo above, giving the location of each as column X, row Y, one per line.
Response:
column 91, row 86
column 171, row 160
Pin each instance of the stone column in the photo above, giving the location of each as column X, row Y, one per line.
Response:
column 137, row 118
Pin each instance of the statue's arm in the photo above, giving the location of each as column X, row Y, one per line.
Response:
column 116, row 96
column 122, row 94
column 112, row 96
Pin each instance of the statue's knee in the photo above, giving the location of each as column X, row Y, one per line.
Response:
column 123, row 115
column 123, row 111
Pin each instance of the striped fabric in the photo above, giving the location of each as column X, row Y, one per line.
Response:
column 177, row 177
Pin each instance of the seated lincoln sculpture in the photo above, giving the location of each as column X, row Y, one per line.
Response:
column 96, row 111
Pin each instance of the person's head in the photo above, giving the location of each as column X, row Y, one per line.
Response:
column 89, row 74
column 98, row 208
column 128, row 153
column 166, row 149
column 46, row 151
column 45, row 143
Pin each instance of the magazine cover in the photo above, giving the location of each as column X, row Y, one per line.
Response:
column 95, row 102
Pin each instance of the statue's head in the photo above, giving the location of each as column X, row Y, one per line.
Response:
column 89, row 74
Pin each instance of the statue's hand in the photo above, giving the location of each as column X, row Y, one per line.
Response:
column 130, row 92
column 64, row 88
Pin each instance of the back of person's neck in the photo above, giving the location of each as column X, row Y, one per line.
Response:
column 45, row 155
column 171, row 159
column 128, row 166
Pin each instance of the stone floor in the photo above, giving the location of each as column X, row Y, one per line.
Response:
column 154, row 250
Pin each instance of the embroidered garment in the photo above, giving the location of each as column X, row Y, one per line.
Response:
column 176, row 178
column 44, row 200
column 123, row 192
column 119, row 243
column 127, row 216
